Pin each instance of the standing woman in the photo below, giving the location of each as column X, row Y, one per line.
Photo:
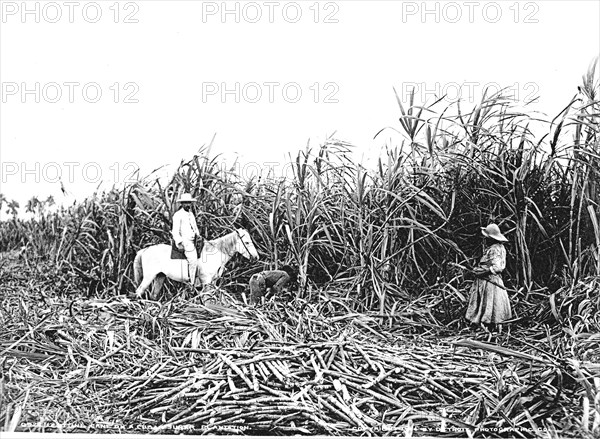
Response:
column 489, row 300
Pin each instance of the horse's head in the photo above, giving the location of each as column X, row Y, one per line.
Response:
column 245, row 246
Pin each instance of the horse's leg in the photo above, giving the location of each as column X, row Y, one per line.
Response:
column 146, row 281
column 157, row 285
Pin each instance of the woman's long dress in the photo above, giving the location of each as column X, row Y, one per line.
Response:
column 489, row 301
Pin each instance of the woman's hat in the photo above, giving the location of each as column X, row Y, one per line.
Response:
column 186, row 198
column 493, row 231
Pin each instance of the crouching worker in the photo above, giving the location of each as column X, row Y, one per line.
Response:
column 184, row 232
column 270, row 281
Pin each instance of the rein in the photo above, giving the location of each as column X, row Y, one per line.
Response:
column 243, row 243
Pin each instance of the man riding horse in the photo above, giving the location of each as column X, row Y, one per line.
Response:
column 184, row 232
column 156, row 263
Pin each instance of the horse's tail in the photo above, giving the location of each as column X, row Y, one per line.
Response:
column 138, row 273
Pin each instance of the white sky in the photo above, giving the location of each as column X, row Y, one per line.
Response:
column 179, row 51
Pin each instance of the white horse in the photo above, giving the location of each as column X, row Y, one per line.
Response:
column 154, row 263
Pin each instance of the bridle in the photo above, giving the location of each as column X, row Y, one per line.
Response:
column 243, row 243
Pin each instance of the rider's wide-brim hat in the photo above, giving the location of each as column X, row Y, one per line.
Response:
column 186, row 198
column 493, row 231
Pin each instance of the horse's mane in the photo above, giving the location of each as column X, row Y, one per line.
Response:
column 226, row 243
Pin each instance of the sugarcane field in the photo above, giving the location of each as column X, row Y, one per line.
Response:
column 183, row 253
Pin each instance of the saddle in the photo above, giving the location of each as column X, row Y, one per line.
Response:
column 180, row 254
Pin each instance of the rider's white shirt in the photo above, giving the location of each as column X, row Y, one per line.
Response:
column 184, row 226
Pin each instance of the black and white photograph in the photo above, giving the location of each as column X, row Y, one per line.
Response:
column 351, row 218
